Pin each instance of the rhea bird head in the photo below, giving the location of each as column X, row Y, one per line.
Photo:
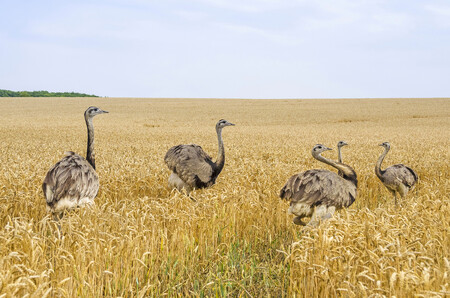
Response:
column 222, row 123
column 93, row 111
column 342, row 144
column 385, row 145
column 319, row 148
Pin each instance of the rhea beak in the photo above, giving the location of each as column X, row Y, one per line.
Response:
column 230, row 124
column 328, row 148
column 103, row 111
column 380, row 144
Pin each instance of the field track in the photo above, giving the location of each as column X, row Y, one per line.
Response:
column 142, row 239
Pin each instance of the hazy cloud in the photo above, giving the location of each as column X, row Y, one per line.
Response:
column 227, row 48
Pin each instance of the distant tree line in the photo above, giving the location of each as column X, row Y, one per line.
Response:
column 9, row 93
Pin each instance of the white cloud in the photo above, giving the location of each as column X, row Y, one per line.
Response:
column 334, row 7
column 230, row 48
column 95, row 22
column 190, row 15
column 273, row 36
column 252, row 6
column 391, row 22
column 441, row 14
column 442, row 10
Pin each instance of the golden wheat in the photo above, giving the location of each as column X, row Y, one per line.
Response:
column 142, row 239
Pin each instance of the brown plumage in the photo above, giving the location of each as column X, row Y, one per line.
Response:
column 192, row 167
column 73, row 182
column 318, row 193
column 397, row 178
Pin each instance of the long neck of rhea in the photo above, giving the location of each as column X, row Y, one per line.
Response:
column 90, row 155
column 220, row 162
column 348, row 172
column 378, row 171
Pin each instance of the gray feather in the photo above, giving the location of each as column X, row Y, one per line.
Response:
column 73, row 178
column 396, row 174
column 319, row 187
column 193, row 165
column 72, row 181
column 397, row 178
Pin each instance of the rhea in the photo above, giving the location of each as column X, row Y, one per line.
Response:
column 192, row 167
column 397, row 178
column 72, row 182
column 319, row 193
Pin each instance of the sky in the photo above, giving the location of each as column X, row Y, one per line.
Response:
column 227, row 48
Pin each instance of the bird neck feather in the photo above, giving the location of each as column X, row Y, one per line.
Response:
column 352, row 178
column 220, row 162
column 347, row 172
column 378, row 171
column 340, row 160
column 90, row 155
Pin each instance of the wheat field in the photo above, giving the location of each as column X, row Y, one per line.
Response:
column 143, row 239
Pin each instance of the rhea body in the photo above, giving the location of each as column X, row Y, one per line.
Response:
column 397, row 178
column 72, row 182
column 192, row 167
column 319, row 193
